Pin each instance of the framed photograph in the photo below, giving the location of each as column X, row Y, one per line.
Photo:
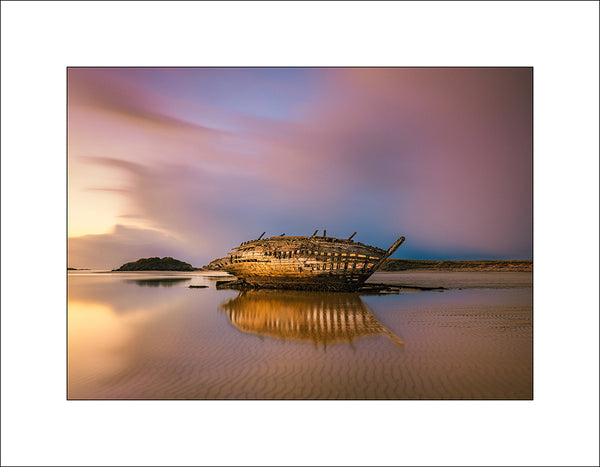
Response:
column 300, row 233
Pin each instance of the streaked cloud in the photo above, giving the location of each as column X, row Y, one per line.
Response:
column 211, row 157
column 111, row 250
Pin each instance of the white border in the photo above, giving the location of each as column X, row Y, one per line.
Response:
column 560, row 39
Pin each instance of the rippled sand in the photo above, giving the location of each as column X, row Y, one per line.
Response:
column 128, row 341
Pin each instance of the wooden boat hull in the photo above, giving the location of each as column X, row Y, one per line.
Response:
column 273, row 279
column 305, row 263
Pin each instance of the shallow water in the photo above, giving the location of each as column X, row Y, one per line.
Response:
column 150, row 336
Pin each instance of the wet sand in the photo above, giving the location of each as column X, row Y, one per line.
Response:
column 455, row 279
column 131, row 341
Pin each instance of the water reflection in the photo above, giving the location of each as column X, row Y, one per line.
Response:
column 325, row 318
column 163, row 282
column 127, row 341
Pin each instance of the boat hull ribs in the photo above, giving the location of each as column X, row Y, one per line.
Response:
column 304, row 263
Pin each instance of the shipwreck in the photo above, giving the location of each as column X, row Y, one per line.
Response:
column 305, row 262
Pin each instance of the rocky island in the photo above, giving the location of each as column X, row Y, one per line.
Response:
column 156, row 264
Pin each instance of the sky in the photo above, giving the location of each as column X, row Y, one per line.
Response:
column 190, row 162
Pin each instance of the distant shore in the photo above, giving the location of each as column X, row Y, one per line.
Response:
column 390, row 265
column 393, row 265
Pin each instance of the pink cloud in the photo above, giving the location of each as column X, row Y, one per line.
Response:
column 442, row 155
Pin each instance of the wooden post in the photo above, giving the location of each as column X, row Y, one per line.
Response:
column 324, row 233
column 261, row 235
column 388, row 253
column 315, row 233
column 350, row 237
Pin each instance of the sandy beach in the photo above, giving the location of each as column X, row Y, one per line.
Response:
column 150, row 336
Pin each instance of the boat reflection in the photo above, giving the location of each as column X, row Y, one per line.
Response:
column 319, row 317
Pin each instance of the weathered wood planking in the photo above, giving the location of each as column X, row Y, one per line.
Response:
column 313, row 263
